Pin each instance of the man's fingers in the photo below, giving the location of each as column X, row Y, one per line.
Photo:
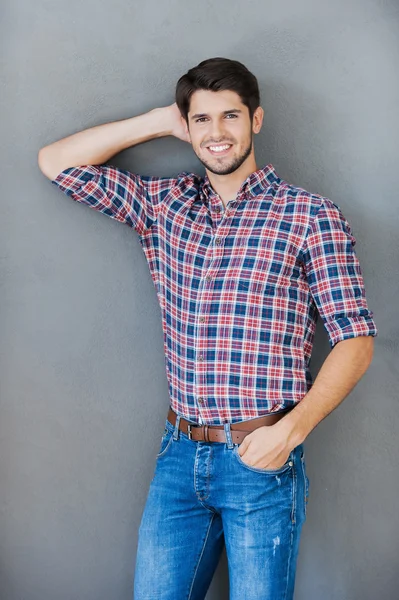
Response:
column 243, row 446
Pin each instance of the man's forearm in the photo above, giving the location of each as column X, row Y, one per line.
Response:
column 98, row 144
column 340, row 372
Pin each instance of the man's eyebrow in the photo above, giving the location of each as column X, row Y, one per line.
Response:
column 225, row 112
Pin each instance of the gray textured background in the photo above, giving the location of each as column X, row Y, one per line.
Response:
column 81, row 351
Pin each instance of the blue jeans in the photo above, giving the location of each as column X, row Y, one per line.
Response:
column 203, row 496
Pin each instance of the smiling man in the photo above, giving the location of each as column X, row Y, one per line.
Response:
column 243, row 263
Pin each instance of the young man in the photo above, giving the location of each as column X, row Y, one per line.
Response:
column 242, row 263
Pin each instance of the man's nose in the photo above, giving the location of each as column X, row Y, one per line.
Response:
column 217, row 132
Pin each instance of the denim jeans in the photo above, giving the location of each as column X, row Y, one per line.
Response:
column 202, row 497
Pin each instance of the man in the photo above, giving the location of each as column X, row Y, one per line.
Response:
column 242, row 263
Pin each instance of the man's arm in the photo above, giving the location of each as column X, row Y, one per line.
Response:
column 340, row 372
column 74, row 165
column 269, row 447
column 98, row 144
column 336, row 284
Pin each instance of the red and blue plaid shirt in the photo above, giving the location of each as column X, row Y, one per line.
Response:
column 240, row 289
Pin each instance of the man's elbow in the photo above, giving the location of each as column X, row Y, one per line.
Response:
column 359, row 349
column 369, row 344
column 47, row 164
column 365, row 350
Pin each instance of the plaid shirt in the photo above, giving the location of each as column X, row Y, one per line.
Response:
column 240, row 289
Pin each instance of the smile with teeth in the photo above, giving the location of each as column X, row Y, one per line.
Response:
column 219, row 149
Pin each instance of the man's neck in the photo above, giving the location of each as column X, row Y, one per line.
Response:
column 227, row 186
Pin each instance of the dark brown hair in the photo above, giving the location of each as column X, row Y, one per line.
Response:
column 216, row 74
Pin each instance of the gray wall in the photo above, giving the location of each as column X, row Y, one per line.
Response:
column 81, row 355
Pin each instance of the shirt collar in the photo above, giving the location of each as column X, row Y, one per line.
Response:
column 255, row 184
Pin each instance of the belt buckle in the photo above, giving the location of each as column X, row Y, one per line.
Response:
column 189, row 432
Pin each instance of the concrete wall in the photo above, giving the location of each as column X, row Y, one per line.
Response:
column 81, row 355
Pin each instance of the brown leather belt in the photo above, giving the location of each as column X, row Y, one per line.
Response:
column 216, row 433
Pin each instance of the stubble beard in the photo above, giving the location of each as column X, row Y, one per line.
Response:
column 227, row 169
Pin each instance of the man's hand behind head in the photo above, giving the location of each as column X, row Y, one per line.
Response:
column 178, row 125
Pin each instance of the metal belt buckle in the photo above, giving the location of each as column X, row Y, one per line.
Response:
column 189, row 432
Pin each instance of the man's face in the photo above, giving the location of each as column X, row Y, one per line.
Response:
column 220, row 130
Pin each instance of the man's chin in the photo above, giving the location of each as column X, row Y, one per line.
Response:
column 221, row 170
column 218, row 168
column 227, row 165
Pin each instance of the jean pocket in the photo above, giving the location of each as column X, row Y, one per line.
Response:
column 166, row 441
column 285, row 467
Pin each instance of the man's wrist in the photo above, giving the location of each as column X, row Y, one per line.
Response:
column 161, row 121
column 294, row 427
column 142, row 128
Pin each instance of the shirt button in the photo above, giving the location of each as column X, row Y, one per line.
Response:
column 217, row 209
column 201, row 357
column 202, row 319
column 200, row 400
column 218, row 241
column 208, row 277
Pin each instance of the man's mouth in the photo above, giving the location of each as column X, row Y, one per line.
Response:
column 219, row 149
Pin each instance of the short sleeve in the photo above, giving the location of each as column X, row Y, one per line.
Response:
column 119, row 194
column 334, row 276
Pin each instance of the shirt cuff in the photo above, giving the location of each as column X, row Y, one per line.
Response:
column 345, row 328
column 74, row 178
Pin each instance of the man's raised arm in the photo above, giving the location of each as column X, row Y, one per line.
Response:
column 75, row 165
column 98, row 144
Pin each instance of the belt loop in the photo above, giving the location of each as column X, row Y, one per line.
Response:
column 176, row 429
column 227, row 432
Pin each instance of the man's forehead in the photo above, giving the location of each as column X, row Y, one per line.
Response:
column 206, row 101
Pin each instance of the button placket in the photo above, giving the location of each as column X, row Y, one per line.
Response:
column 214, row 263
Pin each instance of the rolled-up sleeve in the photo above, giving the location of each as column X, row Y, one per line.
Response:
column 119, row 194
column 334, row 276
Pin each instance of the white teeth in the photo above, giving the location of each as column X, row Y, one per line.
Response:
column 219, row 148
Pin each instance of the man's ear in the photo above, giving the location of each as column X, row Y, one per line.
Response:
column 257, row 119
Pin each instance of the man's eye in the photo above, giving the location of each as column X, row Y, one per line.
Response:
column 202, row 119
